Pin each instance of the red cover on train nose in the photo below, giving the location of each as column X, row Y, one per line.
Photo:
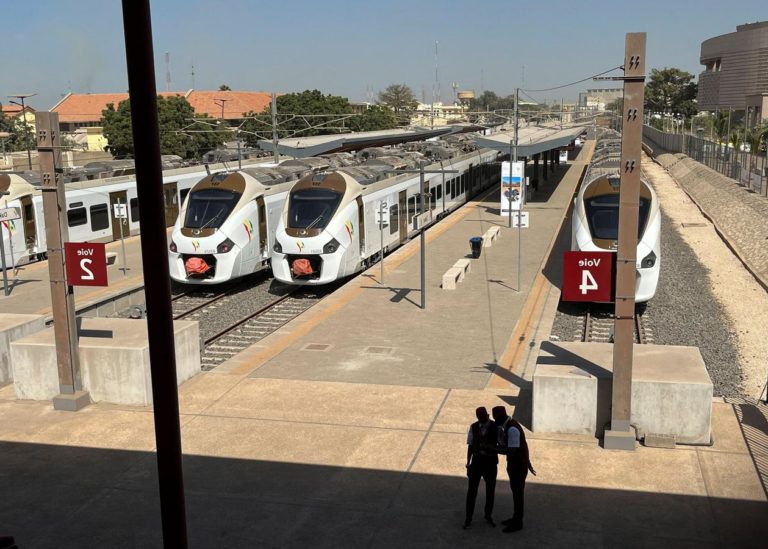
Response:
column 301, row 267
column 196, row 265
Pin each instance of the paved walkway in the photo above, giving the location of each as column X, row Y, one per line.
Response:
column 292, row 444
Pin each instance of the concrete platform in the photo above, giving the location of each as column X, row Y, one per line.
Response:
column 114, row 360
column 359, row 446
column 13, row 327
column 671, row 390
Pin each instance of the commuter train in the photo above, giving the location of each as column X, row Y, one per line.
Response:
column 595, row 221
column 90, row 210
column 329, row 228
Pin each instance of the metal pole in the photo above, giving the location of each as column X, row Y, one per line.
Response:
column 122, row 237
column 6, row 291
column 522, row 194
column 621, row 435
column 509, row 194
column 423, row 246
column 239, row 156
column 381, row 235
column 142, row 88
column 26, row 133
column 274, row 127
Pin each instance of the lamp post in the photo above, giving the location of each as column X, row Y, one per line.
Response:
column 22, row 97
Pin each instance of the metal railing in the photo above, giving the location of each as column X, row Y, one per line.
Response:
column 748, row 169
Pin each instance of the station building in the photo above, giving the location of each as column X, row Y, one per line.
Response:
column 736, row 73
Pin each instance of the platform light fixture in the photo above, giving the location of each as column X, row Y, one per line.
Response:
column 21, row 97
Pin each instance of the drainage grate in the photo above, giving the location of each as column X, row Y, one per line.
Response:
column 691, row 225
column 379, row 350
column 316, row 347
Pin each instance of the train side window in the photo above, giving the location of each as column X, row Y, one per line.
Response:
column 183, row 195
column 439, row 192
column 432, row 202
column 394, row 225
column 135, row 210
column 99, row 217
column 453, row 189
column 76, row 217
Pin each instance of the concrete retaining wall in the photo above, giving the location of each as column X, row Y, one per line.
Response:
column 13, row 327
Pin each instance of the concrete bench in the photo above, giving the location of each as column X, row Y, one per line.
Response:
column 463, row 264
column 490, row 235
column 451, row 277
column 111, row 258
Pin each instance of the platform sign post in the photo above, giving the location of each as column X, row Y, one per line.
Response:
column 86, row 263
column 121, row 214
column 621, row 435
column 71, row 397
column 6, row 216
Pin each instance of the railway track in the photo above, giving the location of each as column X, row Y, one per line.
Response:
column 250, row 329
column 598, row 325
column 187, row 304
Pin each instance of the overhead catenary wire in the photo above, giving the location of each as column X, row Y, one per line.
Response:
column 574, row 83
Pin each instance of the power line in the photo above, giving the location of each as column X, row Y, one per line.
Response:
column 576, row 82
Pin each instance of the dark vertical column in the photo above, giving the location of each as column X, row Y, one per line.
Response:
column 154, row 255
column 535, row 180
column 621, row 435
column 545, row 165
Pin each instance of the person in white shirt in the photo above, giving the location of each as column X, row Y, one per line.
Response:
column 511, row 441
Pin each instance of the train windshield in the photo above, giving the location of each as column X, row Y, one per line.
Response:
column 603, row 216
column 209, row 208
column 312, row 208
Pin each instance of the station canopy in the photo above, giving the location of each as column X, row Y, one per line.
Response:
column 531, row 139
column 302, row 147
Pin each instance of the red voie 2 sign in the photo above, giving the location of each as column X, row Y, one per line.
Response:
column 86, row 264
column 589, row 276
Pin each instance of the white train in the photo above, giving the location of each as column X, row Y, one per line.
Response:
column 90, row 211
column 329, row 227
column 595, row 221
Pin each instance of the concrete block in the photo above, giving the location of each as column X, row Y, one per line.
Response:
column 13, row 327
column 451, row 277
column 114, row 360
column 659, row 441
column 619, row 440
column 490, row 235
column 671, row 390
column 464, row 264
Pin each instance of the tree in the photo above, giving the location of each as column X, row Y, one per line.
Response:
column 21, row 138
column 179, row 133
column 376, row 117
column 399, row 98
column 671, row 90
column 224, row 88
column 721, row 126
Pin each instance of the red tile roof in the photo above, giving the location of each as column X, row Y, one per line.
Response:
column 235, row 105
column 15, row 110
column 88, row 107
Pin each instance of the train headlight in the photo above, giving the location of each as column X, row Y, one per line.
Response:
column 648, row 261
column 277, row 247
column 173, row 247
column 331, row 246
column 225, row 246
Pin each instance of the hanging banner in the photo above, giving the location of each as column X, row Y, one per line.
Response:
column 512, row 195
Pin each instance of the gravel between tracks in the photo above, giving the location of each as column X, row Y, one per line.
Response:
column 689, row 307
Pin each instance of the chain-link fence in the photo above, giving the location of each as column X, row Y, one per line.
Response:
column 749, row 169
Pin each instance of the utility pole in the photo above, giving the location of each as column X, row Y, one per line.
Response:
column 22, row 97
column 621, row 435
column 522, row 192
column 71, row 395
column 221, row 102
column 274, row 128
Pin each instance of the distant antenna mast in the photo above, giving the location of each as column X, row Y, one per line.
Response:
column 437, row 80
column 193, row 75
column 455, row 87
column 167, row 71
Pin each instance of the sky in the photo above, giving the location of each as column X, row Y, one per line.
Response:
column 354, row 48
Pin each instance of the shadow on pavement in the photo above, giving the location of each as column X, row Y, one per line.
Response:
column 62, row 496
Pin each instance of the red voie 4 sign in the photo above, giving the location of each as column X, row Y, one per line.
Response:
column 86, row 264
column 589, row 276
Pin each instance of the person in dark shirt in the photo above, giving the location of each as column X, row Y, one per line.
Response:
column 482, row 462
column 511, row 441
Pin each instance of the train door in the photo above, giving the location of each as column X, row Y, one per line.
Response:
column 28, row 220
column 119, row 197
column 171, row 200
column 361, row 225
column 262, row 213
column 403, row 218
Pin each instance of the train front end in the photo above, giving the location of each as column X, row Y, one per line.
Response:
column 212, row 232
column 316, row 238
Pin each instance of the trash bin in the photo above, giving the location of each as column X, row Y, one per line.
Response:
column 476, row 242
